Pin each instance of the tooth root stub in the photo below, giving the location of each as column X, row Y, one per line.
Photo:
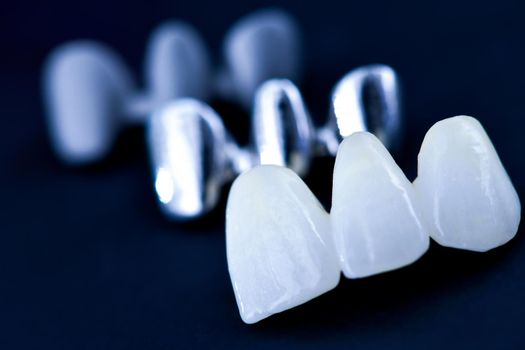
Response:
column 465, row 193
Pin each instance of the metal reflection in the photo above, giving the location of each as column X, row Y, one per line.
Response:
column 187, row 141
column 282, row 131
column 193, row 155
column 366, row 99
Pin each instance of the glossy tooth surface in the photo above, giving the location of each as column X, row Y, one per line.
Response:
column 467, row 197
column 85, row 88
column 376, row 223
column 261, row 46
column 279, row 248
column 177, row 64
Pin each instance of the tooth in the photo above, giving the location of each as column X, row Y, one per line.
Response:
column 177, row 63
column 376, row 223
column 279, row 247
column 85, row 86
column 263, row 45
column 467, row 197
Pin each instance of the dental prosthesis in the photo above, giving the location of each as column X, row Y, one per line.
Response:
column 283, row 249
column 90, row 96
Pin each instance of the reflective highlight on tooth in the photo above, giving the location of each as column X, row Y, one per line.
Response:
column 466, row 195
column 279, row 248
column 376, row 223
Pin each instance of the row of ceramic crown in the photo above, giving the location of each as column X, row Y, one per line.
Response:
column 284, row 249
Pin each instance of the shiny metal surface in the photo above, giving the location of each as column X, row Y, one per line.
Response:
column 282, row 131
column 191, row 151
column 366, row 99
column 239, row 158
column 187, row 142
column 193, row 154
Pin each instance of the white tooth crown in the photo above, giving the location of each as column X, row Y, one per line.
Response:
column 283, row 249
column 279, row 247
column 376, row 223
column 466, row 195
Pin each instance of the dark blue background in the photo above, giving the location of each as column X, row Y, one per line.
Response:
column 88, row 262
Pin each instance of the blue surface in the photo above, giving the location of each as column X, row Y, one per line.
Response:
column 88, row 262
